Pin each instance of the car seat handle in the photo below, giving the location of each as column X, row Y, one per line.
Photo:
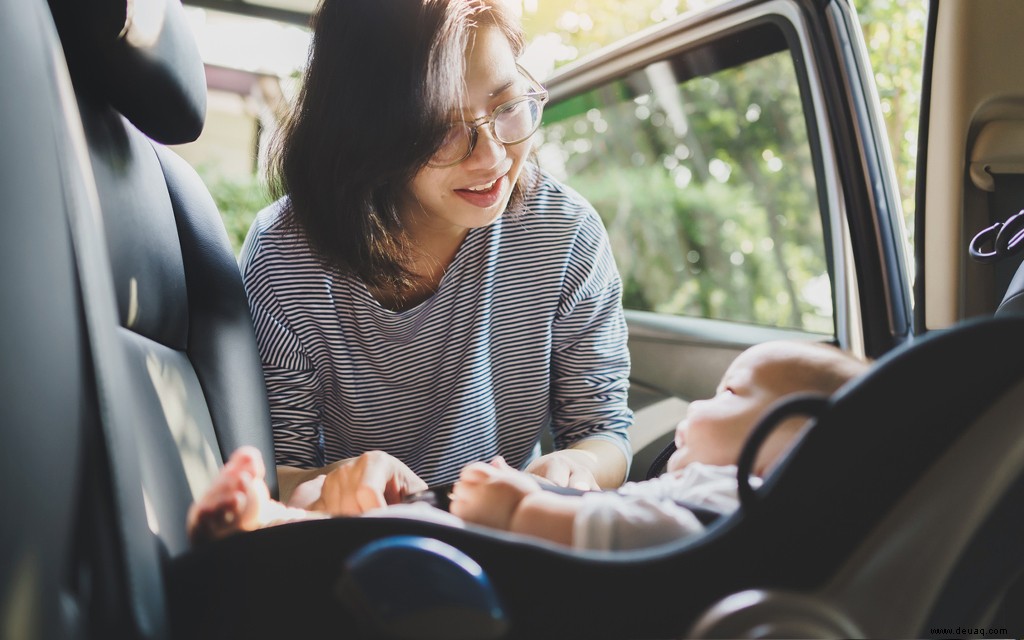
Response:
column 661, row 461
column 812, row 405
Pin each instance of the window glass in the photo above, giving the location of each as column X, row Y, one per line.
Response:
column 706, row 184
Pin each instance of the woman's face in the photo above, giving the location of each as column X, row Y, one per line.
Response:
column 473, row 193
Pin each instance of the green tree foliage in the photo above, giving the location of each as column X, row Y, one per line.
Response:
column 894, row 31
column 238, row 201
column 705, row 187
column 722, row 223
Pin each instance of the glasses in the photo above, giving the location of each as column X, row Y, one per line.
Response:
column 511, row 123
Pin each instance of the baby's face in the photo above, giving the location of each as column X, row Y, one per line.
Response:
column 715, row 429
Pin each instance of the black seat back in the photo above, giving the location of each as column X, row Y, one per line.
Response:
column 45, row 403
column 129, row 360
column 196, row 385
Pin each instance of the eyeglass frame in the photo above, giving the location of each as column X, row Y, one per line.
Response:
column 541, row 96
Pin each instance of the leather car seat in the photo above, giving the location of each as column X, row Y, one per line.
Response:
column 132, row 343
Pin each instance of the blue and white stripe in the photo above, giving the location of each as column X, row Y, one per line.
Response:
column 525, row 331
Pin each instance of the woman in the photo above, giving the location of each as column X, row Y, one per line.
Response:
column 419, row 288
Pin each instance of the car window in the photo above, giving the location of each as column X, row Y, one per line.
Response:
column 704, row 177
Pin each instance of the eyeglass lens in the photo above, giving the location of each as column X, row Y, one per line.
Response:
column 512, row 124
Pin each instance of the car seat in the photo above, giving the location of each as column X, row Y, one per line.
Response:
column 183, row 313
column 47, row 404
column 128, row 341
column 867, row 528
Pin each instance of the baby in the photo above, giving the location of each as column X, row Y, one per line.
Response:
column 701, row 472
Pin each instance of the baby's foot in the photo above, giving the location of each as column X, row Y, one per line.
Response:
column 236, row 501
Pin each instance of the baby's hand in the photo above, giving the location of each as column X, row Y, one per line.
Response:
column 489, row 494
column 236, row 501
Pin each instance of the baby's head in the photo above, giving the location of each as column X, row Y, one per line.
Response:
column 715, row 429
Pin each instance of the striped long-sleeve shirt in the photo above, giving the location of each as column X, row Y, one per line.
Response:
column 524, row 333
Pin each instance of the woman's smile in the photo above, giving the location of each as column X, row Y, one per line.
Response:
column 485, row 195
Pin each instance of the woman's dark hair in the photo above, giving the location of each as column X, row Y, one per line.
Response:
column 376, row 99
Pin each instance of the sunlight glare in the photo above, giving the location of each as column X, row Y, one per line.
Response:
column 197, row 456
column 144, row 22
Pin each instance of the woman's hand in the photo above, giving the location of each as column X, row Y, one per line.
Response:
column 590, row 464
column 357, row 485
column 489, row 494
column 572, row 468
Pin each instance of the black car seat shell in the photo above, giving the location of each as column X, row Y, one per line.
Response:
column 853, row 471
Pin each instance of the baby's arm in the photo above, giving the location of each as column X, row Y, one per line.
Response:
column 500, row 497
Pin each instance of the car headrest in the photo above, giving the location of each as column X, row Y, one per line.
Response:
column 141, row 57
